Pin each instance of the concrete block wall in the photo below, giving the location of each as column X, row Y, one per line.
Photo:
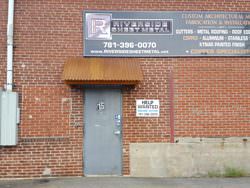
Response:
column 188, row 159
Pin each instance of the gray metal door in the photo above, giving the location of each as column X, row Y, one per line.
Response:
column 102, row 141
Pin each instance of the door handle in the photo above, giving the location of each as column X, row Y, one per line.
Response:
column 117, row 132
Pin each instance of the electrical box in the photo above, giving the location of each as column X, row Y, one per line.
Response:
column 9, row 118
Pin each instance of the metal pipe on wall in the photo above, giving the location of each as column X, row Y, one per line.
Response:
column 171, row 104
column 10, row 31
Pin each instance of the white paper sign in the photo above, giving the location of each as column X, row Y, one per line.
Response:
column 147, row 108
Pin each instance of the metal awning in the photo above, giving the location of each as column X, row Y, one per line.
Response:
column 115, row 71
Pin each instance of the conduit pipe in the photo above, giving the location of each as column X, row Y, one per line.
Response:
column 9, row 84
column 171, row 104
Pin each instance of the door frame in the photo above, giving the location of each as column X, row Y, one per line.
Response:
column 84, row 127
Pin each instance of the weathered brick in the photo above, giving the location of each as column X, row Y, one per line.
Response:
column 211, row 95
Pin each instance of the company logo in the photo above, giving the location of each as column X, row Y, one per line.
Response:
column 98, row 26
column 142, row 26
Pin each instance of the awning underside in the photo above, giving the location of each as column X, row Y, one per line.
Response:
column 102, row 71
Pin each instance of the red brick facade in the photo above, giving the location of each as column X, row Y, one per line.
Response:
column 211, row 95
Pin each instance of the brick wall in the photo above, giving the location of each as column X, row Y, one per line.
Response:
column 212, row 95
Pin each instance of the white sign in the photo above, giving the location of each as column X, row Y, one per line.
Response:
column 147, row 108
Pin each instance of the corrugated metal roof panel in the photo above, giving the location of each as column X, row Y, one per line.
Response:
column 102, row 71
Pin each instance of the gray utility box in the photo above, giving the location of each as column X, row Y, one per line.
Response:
column 9, row 118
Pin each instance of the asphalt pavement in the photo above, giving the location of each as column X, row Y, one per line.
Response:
column 127, row 182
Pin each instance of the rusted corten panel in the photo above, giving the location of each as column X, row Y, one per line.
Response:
column 102, row 71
